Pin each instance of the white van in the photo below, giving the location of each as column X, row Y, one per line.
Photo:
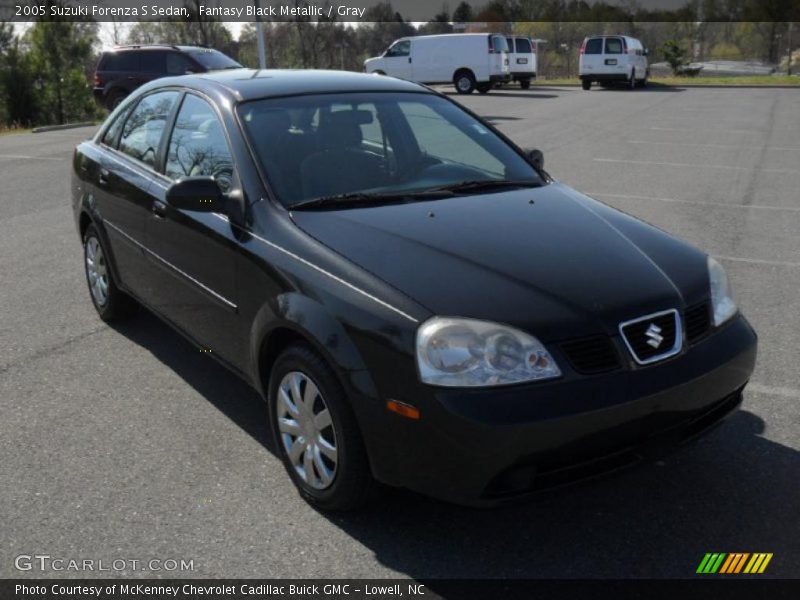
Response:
column 522, row 59
column 613, row 58
column 470, row 61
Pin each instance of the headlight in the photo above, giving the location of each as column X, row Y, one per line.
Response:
column 470, row 353
column 721, row 296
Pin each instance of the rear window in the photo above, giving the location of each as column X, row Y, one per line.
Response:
column 524, row 46
column 213, row 59
column 594, row 46
column 613, row 46
column 120, row 61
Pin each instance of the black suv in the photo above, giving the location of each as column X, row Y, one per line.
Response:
column 122, row 70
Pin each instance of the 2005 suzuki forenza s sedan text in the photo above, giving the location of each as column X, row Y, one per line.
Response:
column 419, row 302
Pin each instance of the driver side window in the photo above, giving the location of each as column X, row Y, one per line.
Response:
column 402, row 48
column 198, row 146
column 141, row 135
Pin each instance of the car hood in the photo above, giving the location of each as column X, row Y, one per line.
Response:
column 548, row 260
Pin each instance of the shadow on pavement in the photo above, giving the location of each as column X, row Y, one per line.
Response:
column 732, row 491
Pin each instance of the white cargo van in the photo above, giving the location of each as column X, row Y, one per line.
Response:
column 522, row 59
column 613, row 58
column 470, row 61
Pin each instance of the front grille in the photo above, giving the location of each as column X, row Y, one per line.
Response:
column 590, row 355
column 697, row 320
column 653, row 337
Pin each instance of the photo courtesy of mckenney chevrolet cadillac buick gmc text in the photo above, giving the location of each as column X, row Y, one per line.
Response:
column 417, row 300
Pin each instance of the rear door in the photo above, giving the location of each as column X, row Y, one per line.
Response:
column 122, row 179
column 498, row 50
column 591, row 61
column 120, row 70
column 615, row 56
column 193, row 254
column 523, row 60
column 153, row 65
column 398, row 60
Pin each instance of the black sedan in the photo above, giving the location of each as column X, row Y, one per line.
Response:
column 417, row 300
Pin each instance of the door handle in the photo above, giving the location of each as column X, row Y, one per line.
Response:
column 159, row 209
column 409, row 59
column 102, row 178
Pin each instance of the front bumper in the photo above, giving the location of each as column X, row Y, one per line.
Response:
column 484, row 447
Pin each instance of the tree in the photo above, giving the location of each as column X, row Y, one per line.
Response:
column 675, row 55
column 462, row 13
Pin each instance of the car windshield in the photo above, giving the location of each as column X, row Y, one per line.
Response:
column 382, row 144
column 213, row 59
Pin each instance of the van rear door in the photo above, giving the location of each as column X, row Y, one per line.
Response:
column 498, row 55
column 591, row 60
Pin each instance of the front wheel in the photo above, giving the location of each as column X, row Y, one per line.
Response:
column 464, row 82
column 316, row 432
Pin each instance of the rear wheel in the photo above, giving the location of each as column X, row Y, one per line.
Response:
column 586, row 84
column 525, row 84
column 643, row 82
column 484, row 88
column 109, row 301
column 464, row 82
column 115, row 99
column 316, row 432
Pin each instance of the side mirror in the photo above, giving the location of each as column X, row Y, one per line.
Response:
column 646, row 52
column 201, row 194
column 536, row 158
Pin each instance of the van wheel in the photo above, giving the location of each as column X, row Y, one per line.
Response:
column 464, row 82
column 632, row 81
column 586, row 84
column 316, row 432
column 484, row 88
column 525, row 84
column 643, row 82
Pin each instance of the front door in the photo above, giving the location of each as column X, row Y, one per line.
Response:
column 398, row 60
column 193, row 254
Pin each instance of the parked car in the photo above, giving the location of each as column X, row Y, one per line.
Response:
column 608, row 59
column 522, row 59
column 471, row 61
column 416, row 299
column 123, row 69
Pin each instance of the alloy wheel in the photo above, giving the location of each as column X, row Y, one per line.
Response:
column 306, row 430
column 97, row 271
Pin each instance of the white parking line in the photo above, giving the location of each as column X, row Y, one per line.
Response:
column 698, row 202
column 26, row 157
column 758, row 261
column 707, row 145
column 716, row 130
column 786, row 392
column 700, row 166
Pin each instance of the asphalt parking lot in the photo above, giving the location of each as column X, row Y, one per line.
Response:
column 127, row 443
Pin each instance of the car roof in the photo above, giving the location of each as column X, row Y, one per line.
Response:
column 135, row 47
column 252, row 84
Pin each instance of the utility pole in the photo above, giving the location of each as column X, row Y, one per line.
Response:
column 262, row 50
column 789, row 60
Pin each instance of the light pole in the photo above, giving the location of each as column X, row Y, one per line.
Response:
column 262, row 50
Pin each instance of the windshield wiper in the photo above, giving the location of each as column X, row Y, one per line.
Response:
column 486, row 184
column 368, row 199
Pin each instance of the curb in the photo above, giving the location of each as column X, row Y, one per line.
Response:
column 47, row 128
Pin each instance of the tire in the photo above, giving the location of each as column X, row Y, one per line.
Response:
column 379, row 73
column 483, row 88
column 336, row 475
column 110, row 302
column 115, row 99
column 464, row 82
column 643, row 82
column 525, row 84
column 632, row 80
column 586, row 84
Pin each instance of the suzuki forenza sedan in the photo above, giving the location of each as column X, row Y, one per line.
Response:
column 417, row 300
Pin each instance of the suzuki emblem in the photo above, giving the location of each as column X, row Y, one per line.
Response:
column 654, row 333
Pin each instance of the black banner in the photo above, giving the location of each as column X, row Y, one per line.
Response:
column 730, row 588
column 467, row 11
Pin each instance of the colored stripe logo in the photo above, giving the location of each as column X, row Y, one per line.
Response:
column 734, row 563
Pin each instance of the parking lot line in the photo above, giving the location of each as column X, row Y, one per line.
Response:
column 697, row 202
column 700, row 166
column 654, row 143
column 26, row 157
column 696, row 129
column 786, row 392
column 759, row 261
